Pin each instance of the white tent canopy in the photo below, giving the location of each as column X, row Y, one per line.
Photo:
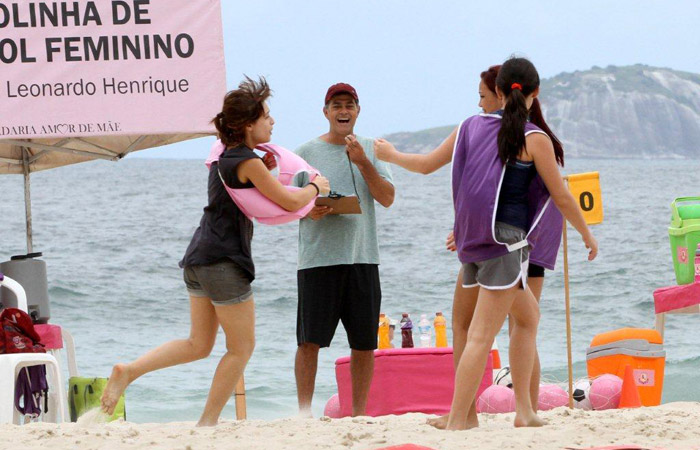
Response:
column 27, row 156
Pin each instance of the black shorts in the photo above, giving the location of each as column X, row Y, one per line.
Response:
column 535, row 271
column 350, row 293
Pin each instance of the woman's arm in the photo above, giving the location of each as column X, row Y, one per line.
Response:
column 254, row 170
column 539, row 146
column 424, row 164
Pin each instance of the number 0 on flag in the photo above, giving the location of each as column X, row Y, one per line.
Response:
column 585, row 188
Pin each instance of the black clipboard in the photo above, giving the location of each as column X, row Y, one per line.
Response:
column 349, row 204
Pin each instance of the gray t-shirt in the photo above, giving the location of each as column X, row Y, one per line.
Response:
column 342, row 238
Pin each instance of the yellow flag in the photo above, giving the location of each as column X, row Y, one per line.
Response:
column 585, row 188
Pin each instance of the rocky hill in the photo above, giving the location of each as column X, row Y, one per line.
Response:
column 616, row 112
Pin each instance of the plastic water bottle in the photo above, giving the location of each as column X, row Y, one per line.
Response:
column 392, row 329
column 440, row 330
column 406, row 331
column 697, row 264
column 383, row 332
column 424, row 328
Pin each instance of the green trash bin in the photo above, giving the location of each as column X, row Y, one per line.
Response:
column 684, row 234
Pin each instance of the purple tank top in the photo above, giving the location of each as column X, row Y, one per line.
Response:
column 477, row 173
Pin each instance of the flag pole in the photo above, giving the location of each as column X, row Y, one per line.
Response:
column 568, row 319
column 568, row 314
column 241, row 413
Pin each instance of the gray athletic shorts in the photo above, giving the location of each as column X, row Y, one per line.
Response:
column 225, row 283
column 504, row 271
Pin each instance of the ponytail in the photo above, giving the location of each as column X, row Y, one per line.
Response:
column 511, row 137
column 516, row 79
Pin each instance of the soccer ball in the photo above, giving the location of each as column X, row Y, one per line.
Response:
column 495, row 400
column 503, row 378
column 582, row 390
column 551, row 396
column 605, row 392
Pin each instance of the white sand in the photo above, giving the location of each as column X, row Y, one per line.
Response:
column 672, row 426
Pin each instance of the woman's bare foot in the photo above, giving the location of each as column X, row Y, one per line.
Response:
column 528, row 420
column 438, row 422
column 441, row 422
column 207, row 423
column 116, row 386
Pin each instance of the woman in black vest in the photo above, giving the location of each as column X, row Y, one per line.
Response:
column 218, row 265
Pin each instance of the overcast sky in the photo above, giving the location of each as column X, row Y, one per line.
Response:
column 416, row 63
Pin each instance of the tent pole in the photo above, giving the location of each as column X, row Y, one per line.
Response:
column 27, row 198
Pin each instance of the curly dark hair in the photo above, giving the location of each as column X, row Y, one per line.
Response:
column 242, row 107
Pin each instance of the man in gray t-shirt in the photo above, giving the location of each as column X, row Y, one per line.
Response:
column 338, row 276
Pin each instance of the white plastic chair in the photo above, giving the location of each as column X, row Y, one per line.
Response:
column 11, row 364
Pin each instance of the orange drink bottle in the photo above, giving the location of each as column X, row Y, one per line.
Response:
column 440, row 325
column 383, row 332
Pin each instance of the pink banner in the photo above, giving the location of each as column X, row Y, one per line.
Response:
column 109, row 67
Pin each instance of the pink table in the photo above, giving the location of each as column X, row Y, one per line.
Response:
column 683, row 299
column 406, row 380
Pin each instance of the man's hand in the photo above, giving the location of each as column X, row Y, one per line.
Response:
column 319, row 212
column 269, row 161
column 355, row 150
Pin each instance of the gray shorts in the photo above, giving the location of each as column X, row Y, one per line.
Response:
column 504, row 271
column 225, row 283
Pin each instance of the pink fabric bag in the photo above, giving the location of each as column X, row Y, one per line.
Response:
column 406, row 380
column 253, row 203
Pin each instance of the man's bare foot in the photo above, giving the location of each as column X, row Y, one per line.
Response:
column 438, row 422
column 305, row 413
column 117, row 384
column 530, row 420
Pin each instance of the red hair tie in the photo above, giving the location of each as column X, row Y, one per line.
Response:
column 517, row 86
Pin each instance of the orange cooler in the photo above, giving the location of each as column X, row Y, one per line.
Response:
column 642, row 349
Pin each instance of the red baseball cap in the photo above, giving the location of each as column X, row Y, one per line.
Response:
column 341, row 88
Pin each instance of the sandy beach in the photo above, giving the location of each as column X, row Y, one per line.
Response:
column 670, row 426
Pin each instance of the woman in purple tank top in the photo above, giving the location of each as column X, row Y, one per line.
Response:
column 483, row 146
column 464, row 304
column 544, row 256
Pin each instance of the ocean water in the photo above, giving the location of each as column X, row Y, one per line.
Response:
column 112, row 234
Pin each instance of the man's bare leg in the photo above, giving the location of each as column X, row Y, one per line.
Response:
column 361, row 371
column 305, row 366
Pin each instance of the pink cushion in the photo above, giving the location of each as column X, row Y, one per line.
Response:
column 50, row 336
column 676, row 297
column 406, row 380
